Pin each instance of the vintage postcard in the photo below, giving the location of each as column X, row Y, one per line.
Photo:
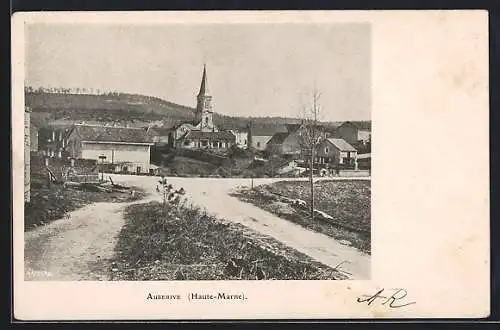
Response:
column 218, row 165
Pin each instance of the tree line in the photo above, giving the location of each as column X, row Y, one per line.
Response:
column 75, row 90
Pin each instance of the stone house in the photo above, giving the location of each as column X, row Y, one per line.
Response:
column 128, row 149
column 334, row 151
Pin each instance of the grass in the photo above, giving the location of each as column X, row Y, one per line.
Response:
column 348, row 202
column 184, row 243
column 242, row 166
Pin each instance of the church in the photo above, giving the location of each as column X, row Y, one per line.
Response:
column 202, row 133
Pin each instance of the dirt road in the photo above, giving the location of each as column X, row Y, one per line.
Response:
column 213, row 195
column 79, row 248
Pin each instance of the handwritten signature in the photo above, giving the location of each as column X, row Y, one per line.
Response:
column 395, row 300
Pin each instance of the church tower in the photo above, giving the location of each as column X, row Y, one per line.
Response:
column 203, row 115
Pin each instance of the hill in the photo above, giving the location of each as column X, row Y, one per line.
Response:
column 112, row 107
column 58, row 108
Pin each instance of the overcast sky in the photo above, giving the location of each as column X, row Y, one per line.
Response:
column 253, row 70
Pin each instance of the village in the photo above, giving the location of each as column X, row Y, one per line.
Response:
column 342, row 151
column 74, row 166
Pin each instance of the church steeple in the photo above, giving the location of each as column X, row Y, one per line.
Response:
column 204, row 83
column 203, row 115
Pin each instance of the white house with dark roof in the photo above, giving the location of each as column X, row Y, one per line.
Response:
column 334, row 151
column 127, row 148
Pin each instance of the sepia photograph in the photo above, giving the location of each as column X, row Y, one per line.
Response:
column 218, row 165
column 199, row 152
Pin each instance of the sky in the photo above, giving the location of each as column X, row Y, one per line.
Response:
column 253, row 69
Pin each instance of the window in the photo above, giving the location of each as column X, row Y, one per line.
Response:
column 258, row 144
column 245, row 141
column 206, row 120
column 326, row 150
column 187, row 142
column 138, row 169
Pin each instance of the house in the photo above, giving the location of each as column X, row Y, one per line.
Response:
column 127, row 148
column 202, row 133
column 334, row 151
column 214, row 141
column 27, row 146
column 290, row 143
column 286, row 143
column 354, row 133
column 259, row 135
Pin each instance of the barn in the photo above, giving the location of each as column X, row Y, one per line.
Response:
column 125, row 147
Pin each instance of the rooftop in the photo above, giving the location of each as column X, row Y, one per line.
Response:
column 341, row 144
column 278, row 138
column 110, row 134
column 222, row 135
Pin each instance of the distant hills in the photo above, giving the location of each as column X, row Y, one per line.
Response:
column 64, row 109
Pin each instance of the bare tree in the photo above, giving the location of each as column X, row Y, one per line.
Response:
column 310, row 135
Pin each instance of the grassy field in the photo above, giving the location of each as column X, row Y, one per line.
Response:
column 348, row 202
column 183, row 243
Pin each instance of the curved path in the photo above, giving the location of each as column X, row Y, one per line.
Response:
column 77, row 249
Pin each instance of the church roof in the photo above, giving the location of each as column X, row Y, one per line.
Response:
column 204, row 82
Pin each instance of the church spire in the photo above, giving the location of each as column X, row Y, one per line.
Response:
column 204, row 83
